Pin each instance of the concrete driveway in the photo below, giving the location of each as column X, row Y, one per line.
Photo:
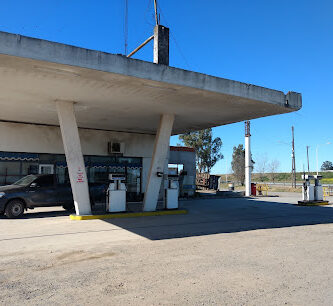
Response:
column 225, row 251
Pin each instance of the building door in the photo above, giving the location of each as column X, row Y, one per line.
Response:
column 46, row 169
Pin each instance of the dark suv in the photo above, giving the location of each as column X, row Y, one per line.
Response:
column 41, row 191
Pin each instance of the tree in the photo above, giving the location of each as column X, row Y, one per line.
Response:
column 262, row 167
column 272, row 168
column 206, row 148
column 238, row 163
column 327, row 165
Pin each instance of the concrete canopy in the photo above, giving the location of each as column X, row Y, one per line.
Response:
column 113, row 92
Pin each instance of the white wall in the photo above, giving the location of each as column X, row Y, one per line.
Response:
column 30, row 138
column 18, row 137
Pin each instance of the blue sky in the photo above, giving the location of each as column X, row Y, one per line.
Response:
column 279, row 44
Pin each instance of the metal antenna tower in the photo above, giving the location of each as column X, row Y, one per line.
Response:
column 293, row 164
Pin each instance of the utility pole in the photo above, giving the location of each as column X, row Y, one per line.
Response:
column 307, row 155
column 248, row 162
column 293, row 164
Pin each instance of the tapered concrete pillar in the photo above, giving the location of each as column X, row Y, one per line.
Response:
column 248, row 160
column 74, row 157
column 247, row 167
column 157, row 166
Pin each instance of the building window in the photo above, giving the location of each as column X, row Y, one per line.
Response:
column 10, row 172
column 14, row 166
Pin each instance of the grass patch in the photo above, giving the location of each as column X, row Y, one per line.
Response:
column 327, row 181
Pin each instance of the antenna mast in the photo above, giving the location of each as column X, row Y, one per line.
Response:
column 155, row 8
column 161, row 42
column 126, row 27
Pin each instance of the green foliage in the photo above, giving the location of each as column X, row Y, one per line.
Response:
column 286, row 177
column 327, row 181
column 327, row 165
column 207, row 149
column 238, row 163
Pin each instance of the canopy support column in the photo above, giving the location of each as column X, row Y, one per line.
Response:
column 157, row 166
column 74, row 157
column 248, row 159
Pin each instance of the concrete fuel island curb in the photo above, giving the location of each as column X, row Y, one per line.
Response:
column 130, row 215
column 313, row 203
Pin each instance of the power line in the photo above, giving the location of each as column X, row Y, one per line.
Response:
column 145, row 15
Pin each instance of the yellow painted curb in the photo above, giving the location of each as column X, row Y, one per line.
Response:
column 130, row 215
column 313, row 203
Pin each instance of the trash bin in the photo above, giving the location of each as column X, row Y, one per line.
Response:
column 231, row 187
column 253, row 189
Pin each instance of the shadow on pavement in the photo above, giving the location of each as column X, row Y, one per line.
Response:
column 214, row 216
column 31, row 214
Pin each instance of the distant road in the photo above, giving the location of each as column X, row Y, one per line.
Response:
column 288, row 184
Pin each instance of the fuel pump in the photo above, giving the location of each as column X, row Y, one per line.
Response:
column 171, row 192
column 307, row 188
column 116, row 193
column 312, row 194
column 318, row 188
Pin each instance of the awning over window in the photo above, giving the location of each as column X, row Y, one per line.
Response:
column 13, row 156
column 112, row 166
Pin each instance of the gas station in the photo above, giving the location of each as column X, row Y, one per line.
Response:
column 115, row 112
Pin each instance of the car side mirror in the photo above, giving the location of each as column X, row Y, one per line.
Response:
column 33, row 185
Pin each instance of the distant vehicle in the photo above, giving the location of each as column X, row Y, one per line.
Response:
column 41, row 191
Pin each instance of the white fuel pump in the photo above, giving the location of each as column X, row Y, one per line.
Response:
column 312, row 193
column 116, row 193
column 171, row 192
column 307, row 188
column 318, row 188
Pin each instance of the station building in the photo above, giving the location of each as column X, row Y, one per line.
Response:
column 64, row 108
column 38, row 149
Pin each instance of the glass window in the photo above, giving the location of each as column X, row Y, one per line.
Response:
column 129, row 160
column 62, row 175
column 98, row 175
column 29, row 168
column 133, row 180
column 10, row 171
column 117, row 169
column 45, row 181
column 25, row 181
column 102, row 159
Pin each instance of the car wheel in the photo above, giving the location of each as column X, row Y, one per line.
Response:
column 14, row 209
column 68, row 207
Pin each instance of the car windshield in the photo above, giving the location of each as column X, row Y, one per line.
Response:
column 25, row 181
